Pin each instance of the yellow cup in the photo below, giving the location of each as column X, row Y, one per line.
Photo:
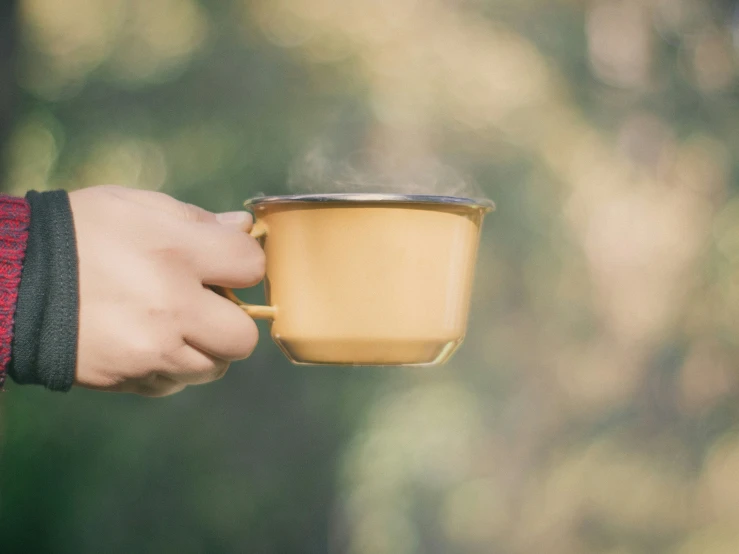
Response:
column 367, row 279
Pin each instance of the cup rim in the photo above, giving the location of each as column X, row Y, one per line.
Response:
column 476, row 203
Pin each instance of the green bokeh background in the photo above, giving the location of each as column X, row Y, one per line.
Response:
column 593, row 406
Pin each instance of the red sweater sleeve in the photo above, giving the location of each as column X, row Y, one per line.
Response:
column 14, row 219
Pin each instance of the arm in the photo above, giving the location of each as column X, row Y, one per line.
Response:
column 14, row 222
column 114, row 291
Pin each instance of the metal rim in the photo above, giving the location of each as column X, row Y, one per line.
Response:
column 480, row 203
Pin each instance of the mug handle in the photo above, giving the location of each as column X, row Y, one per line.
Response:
column 258, row 230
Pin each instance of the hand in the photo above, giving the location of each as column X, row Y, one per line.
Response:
column 148, row 322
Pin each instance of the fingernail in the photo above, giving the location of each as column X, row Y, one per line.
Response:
column 233, row 218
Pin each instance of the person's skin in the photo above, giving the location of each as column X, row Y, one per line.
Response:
column 148, row 322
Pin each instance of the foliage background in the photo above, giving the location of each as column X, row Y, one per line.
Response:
column 594, row 405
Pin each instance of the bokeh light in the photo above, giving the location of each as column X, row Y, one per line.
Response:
column 593, row 407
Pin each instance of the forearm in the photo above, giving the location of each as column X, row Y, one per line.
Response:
column 113, row 328
column 44, row 345
column 14, row 223
column 39, row 296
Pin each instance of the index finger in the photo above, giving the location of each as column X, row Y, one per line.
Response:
column 224, row 255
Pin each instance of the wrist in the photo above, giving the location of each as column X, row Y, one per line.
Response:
column 46, row 320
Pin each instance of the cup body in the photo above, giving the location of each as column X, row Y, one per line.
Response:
column 369, row 282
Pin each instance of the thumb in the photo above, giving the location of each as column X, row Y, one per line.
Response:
column 196, row 214
column 240, row 220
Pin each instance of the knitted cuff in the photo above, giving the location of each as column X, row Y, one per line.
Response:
column 47, row 311
column 14, row 222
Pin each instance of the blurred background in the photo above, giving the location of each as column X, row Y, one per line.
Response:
column 594, row 405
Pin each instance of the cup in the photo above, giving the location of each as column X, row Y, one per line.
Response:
column 366, row 279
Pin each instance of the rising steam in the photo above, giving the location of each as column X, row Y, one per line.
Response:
column 321, row 170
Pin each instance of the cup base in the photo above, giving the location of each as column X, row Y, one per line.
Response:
column 367, row 352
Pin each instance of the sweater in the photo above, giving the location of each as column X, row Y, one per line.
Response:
column 15, row 215
column 39, row 296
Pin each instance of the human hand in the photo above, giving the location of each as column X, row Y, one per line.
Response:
column 148, row 322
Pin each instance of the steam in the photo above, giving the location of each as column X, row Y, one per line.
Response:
column 323, row 170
